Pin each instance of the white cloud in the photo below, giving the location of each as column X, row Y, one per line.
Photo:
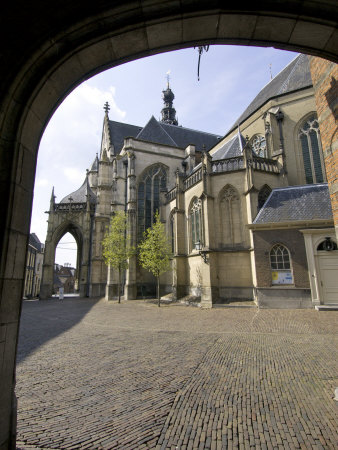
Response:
column 74, row 175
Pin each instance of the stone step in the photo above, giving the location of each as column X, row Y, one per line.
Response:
column 332, row 307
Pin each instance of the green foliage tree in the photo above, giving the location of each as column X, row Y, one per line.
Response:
column 116, row 246
column 155, row 252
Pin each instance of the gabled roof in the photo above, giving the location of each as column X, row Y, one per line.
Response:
column 80, row 196
column 231, row 148
column 303, row 203
column 162, row 133
column 154, row 132
column 293, row 77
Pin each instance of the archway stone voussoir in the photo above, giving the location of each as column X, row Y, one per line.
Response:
column 130, row 43
column 280, row 31
column 32, row 129
column 240, row 25
column 172, row 35
column 97, row 57
column 332, row 44
column 310, row 34
column 199, row 28
column 26, row 168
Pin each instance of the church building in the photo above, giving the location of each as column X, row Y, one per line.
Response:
column 248, row 214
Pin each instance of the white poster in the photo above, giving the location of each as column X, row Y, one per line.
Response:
column 282, row 277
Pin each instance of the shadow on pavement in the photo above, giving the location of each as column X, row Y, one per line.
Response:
column 43, row 320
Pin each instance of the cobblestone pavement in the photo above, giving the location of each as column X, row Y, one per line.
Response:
column 100, row 375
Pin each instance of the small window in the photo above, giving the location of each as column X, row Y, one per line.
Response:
column 280, row 263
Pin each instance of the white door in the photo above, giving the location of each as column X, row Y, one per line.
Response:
column 328, row 272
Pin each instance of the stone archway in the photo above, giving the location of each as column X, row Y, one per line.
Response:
column 52, row 241
column 47, row 52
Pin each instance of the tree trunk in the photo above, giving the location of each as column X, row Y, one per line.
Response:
column 158, row 291
column 119, row 286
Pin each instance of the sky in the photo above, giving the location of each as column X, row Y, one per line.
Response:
column 230, row 78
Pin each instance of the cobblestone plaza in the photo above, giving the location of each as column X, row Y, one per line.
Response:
column 99, row 375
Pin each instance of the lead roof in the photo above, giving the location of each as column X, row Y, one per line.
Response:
column 80, row 195
column 308, row 202
column 162, row 133
column 293, row 77
column 231, row 148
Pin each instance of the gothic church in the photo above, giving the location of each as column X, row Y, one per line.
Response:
column 248, row 214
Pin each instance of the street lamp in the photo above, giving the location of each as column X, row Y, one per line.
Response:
column 201, row 252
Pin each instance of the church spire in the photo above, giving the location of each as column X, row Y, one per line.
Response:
column 168, row 112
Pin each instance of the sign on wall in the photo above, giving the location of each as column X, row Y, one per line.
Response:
column 284, row 277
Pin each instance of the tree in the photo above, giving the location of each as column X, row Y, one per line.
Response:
column 116, row 248
column 155, row 252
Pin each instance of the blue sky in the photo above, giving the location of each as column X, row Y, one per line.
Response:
column 230, row 77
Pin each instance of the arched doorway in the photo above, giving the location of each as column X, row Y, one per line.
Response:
column 48, row 276
column 44, row 62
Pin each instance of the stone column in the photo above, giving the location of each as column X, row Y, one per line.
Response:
column 130, row 291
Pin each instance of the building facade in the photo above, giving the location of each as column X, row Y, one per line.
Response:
column 209, row 190
column 34, row 265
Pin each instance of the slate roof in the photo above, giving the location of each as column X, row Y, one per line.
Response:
column 308, row 202
column 34, row 241
column 161, row 133
column 231, row 148
column 119, row 131
column 293, row 77
column 154, row 132
column 95, row 166
column 80, row 196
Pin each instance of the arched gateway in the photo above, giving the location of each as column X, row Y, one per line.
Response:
column 46, row 52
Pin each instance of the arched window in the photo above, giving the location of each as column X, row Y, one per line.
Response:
column 231, row 219
column 258, row 145
column 312, row 152
column 263, row 195
column 195, row 215
column 153, row 181
column 280, row 263
column 327, row 245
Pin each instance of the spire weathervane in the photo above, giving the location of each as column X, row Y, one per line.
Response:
column 106, row 107
column 168, row 78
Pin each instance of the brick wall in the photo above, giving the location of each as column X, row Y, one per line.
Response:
column 325, row 81
column 294, row 241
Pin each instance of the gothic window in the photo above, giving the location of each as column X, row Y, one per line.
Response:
column 311, row 149
column 280, row 263
column 195, row 214
column 258, row 145
column 231, row 220
column 153, row 181
column 263, row 195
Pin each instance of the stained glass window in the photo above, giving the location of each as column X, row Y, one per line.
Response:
column 258, row 145
column 153, row 181
column 195, row 223
column 311, row 149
